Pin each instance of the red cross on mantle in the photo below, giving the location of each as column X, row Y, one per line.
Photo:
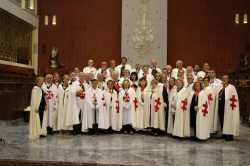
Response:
column 184, row 104
column 205, row 109
column 49, row 95
column 117, row 106
column 210, row 98
column 136, row 103
column 126, row 97
column 233, row 102
column 157, row 104
column 82, row 95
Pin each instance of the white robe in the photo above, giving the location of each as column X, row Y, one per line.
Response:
column 216, row 85
column 231, row 124
column 127, row 107
column 182, row 115
column 202, row 116
column 90, row 70
column 92, row 108
column 115, row 107
column 62, row 108
column 52, row 104
column 73, row 110
column 154, row 109
column 211, row 102
column 141, row 108
column 171, row 110
column 35, row 129
column 105, row 110
column 119, row 67
column 175, row 72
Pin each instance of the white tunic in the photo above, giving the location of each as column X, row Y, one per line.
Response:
column 171, row 109
column 93, row 108
column 154, row 109
column 141, row 108
column 182, row 115
column 52, row 104
column 231, row 124
column 212, row 114
column 35, row 129
column 105, row 111
column 73, row 110
column 202, row 116
column 115, row 107
column 62, row 108
column 126, row 98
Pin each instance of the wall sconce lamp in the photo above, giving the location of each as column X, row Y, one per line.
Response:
column 237, row 19
column 46, row 20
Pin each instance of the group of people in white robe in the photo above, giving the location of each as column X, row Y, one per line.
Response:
column 182, row 102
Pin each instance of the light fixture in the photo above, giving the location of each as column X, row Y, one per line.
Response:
column 245, row 19
column 54, row 20
column 46, row 20
column 237, row 18
column 31, row 5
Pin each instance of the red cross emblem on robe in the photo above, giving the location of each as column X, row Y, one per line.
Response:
column 49, row 95
column 82, row 95
column 117, row 105
column 126, row 97
column 233, row 102
column 116, row 86
column 184, row 104
column 205, row 109
column 136, row 103
column 157, row 104
column 210, row 98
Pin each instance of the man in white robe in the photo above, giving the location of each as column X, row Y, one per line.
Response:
column 181, row 122
column 123, row 66
column 103, row 70
column 203, row 73
column 90, row 68
column 50, row 91
column 38, row 118
column 228, row 107
column 63, row 91
column 153, row 67
column 211, row 103
column 179, row 67
column 154, row 109
column 216, row 85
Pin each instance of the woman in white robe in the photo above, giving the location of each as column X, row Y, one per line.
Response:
column 199, row 113
column 126, row 100
column 141, row 104
column 37, row 120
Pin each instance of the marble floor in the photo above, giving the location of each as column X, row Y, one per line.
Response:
column 123, row 149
